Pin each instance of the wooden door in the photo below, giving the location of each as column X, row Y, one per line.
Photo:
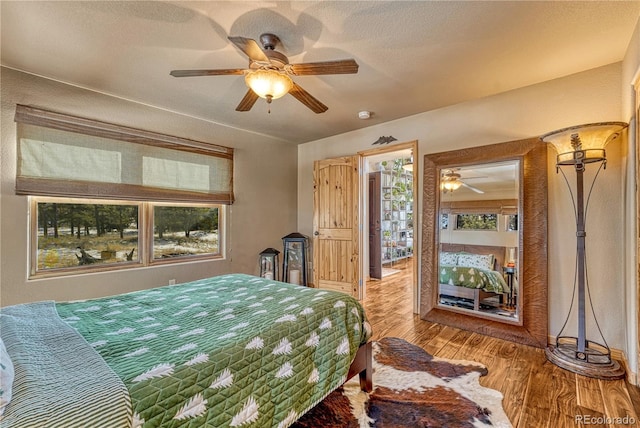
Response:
column 335, row 225
column 375, row 250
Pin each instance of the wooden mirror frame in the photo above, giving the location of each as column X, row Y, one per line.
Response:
column 532, row 327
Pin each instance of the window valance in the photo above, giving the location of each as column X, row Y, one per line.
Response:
column 63, row 155
column 494, row 206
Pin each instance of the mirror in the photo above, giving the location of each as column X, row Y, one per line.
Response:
column 478, row 239
column 521, row 315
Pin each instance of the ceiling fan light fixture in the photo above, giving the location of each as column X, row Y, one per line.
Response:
column 268, row 73
column 268, row 84
column 451, row 185
column 450, row 181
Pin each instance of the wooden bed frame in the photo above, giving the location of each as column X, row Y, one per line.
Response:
column 477, row 294
column 363, row 365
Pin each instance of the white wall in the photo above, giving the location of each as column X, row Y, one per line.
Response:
column 264, row 183
column 587, row 97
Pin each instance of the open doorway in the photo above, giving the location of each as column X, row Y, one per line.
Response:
column 388, row 207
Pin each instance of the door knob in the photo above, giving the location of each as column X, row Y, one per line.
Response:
column 316, row 233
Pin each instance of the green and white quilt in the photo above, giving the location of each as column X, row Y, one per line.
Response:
column 229, row 351
column 473, row 277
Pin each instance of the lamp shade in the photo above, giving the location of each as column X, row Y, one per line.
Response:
column 583, row 143
column 269, row 84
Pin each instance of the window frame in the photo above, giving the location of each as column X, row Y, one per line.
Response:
column 145, row 237
column 150, row 226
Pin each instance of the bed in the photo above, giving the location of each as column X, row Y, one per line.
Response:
column 472, row 272
column 232, row 350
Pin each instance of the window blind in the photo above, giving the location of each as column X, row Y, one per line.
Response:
column 496, row 206
column 62, row 155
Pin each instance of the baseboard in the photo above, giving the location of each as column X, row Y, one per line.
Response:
column 619, row 356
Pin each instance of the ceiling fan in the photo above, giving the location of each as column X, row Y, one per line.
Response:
column 452, row 180
column 268, row 73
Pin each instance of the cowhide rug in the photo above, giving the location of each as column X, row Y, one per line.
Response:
column 411, row 388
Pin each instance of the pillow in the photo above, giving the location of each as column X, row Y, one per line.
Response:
column 480, row 261
column 6, row 377
column 448, row 259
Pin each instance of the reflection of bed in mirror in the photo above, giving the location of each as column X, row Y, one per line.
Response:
column 472, row 272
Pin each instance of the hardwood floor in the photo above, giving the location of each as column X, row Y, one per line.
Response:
column 536, row 392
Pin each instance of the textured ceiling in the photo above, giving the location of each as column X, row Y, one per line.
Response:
column 414, row 56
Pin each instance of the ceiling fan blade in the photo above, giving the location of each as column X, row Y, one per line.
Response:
column 250, row 47
column 247, row 101
column 307, row 99
column 345, row 66
column 475, row 189
column 193, row 73
column 475, row 177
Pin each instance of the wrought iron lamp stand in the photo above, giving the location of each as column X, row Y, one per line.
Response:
column 578, row 354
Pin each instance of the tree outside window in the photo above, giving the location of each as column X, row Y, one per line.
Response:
column 477, row 222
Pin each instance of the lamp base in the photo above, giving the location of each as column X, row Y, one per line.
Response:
column 593, row 362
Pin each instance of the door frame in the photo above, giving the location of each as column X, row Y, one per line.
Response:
column 363, row 267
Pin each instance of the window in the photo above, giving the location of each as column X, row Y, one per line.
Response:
column 76, row 235
column 185, row 231
column 444, row 221
column 105, row 196
column 477, row 222
column 512, row 222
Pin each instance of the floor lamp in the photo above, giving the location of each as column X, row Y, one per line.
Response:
column 579, row 146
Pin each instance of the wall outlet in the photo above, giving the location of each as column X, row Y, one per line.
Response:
column 172, row 282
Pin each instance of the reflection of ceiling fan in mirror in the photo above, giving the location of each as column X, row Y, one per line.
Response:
column 269, row 70
column 452, row 181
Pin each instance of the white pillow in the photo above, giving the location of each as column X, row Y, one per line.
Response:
column 6, row 377
column 448, row 259
column 480, row 261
